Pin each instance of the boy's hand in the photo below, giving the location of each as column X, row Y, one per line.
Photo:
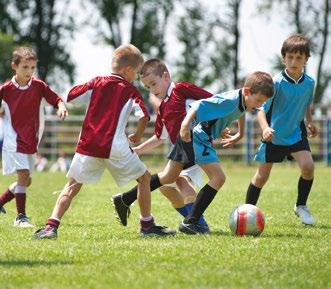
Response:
column 313, row 131
column 229, row 140
column 225, row 133
column 134, row 138
column 136, row 150
column 268, row 134
column 185, row 133
column 62, row 111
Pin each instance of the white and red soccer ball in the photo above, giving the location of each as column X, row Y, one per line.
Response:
column 247, row 220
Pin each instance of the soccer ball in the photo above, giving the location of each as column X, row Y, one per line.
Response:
column 246, row 220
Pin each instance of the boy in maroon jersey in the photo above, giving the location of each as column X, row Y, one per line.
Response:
column 21, row 102
column 176, row 98
column 103, row 143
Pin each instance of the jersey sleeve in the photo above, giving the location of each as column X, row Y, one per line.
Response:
column 81, row 93
column 50, row 96
column 212, row 108
column 158, row 127
column 191, row 91
column 139, row 107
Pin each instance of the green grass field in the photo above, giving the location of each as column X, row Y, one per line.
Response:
column 94, row 251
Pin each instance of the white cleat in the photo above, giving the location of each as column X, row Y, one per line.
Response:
column 304, row 214
column 23, row 221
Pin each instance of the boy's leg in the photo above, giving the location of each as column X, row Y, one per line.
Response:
column 7, row 196
column 148, row 226
column 258, row 181
column 122, row 202
column 306, row 164
column 204, row 198
column 70, row 190
column 23, row 181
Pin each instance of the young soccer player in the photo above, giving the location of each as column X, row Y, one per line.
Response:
column 282, row 123
column 172, row 110
column 20, row 100
column 103, row 143
column 213, row 115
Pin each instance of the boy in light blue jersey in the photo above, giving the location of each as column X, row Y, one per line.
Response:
column 284, row 131
column 212, row 116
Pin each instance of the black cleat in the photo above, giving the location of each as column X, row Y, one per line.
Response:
column 122, row 210
column 2, row 210
column 193, row 229
column 157, row 231
column 46, row 233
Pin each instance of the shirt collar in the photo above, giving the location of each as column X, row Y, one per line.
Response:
column 169, row 91
column 13, row 80
column 292, row 80
column 116, row 75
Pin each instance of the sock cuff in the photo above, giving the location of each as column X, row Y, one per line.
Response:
column 20, row 189
column 53, row 222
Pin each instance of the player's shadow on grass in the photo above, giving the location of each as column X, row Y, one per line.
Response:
column 33, row 263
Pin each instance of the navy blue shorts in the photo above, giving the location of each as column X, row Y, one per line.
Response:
column 183, row 153
column 271, row 153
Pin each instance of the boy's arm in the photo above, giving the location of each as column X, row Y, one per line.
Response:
column 229, row 140
column 62, row 111
column 313, row 131
column 185, row 133
column 141, row 125
column 267, row 131
column 147, row 145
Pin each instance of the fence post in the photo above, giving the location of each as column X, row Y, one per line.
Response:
column 249, row 139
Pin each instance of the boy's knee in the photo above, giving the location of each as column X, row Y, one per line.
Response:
column 145, row 178
column 307, row 170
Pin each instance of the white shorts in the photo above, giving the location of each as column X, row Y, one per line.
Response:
column 87, row 169
column 13, row 161
column 194, row 173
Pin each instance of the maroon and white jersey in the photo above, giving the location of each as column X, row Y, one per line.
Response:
column 23, row 120
column 173, row 108
column 111, row 100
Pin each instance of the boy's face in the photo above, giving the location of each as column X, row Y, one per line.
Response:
column 294, row 62
column 157, row 85
column 24, row 70
column 254, row 100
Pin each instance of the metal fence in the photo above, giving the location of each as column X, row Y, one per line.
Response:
column 63, row 135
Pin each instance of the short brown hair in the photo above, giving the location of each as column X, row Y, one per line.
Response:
column 155, row 66
column 126, row 55
column 261, row 82
column 23, row 52
column 296, row 43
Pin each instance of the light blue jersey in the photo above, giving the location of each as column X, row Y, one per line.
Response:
column 286, row 110
column 213, row 115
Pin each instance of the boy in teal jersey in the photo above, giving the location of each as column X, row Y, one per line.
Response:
column 284, row 131
column 212, row 116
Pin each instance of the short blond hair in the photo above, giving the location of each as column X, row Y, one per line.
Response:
column 23, row 52
column 126, row 55
column 153, row 66
column 260, row 82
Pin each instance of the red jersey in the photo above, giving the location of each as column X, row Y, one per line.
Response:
column 173, row 108
column 111, row 101
column 24, row 113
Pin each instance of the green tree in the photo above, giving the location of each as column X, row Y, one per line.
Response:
column 45, row 25
column 6, row 48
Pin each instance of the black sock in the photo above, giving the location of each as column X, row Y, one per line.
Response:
column 204, row 198
column 130, row 196
column 304, row 187
column 253, row 194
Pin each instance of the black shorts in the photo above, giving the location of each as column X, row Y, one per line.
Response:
column 183, row 153
column 277, row 153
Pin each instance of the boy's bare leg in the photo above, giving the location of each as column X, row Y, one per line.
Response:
column 173, row 195
column 144, row 194
column 70, row 190
column 171, row 172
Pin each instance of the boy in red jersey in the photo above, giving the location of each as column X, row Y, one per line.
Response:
column 21, row 101
column 103, row 143
column 176, row 98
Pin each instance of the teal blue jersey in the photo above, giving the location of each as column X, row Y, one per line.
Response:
column 285, row 112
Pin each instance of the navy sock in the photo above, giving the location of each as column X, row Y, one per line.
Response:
column 304, row 187
column 130, row 196
column 183, row 211
column 253, row 194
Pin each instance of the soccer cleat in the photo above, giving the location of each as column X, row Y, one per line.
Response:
column 193, row 229
column 304, row 214
column 22, row 221
column 47, row 232
column 157, row 231
column 2, row 210
column 122, row 210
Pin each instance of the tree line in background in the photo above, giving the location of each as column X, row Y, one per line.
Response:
column 209, row 41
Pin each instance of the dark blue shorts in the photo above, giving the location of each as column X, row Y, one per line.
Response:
column 183, row 153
